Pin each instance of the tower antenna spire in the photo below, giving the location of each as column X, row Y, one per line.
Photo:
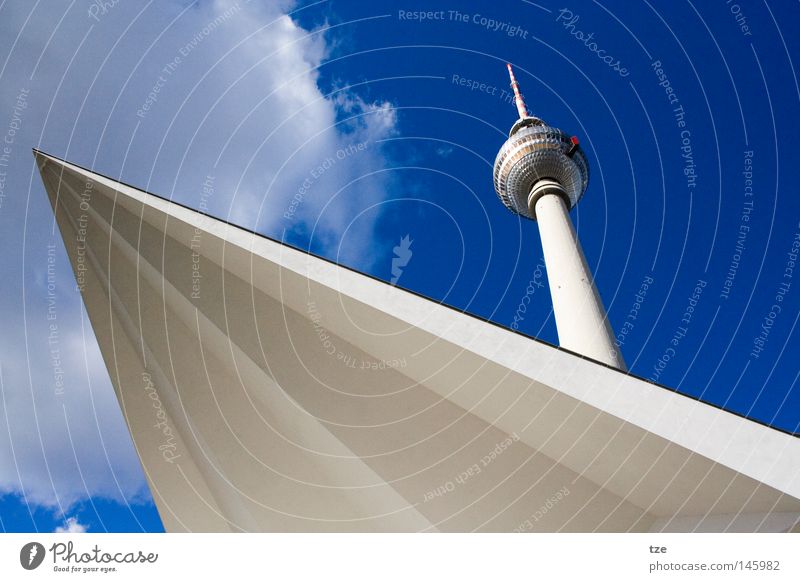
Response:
column 518, row 100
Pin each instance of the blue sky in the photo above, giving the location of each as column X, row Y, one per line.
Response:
column 346, row 126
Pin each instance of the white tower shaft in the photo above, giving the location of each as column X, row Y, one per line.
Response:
column 580, row 317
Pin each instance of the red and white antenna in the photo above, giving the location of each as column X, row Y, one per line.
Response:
column 523, row 112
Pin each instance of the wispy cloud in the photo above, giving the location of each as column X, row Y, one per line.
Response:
column 72, row 526
column 238, row 100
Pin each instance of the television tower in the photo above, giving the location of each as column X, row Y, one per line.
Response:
column 541, row 173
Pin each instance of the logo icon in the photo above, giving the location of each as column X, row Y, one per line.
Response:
column 31, row 555
column 402, row 254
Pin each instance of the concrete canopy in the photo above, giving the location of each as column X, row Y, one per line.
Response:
column 266, row 389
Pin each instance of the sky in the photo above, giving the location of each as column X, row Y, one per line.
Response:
column 352, row 129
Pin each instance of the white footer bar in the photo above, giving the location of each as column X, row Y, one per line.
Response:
column 389, row 557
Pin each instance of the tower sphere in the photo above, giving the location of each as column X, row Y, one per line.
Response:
column 535, row 151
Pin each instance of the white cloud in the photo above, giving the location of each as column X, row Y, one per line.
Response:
column 247, row 95
column 291, row 128
column 71, row 525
